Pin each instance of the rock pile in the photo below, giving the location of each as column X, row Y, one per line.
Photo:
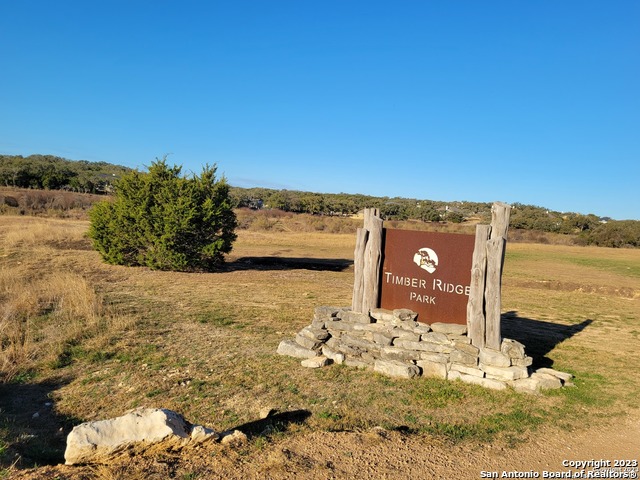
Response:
column 393, row 343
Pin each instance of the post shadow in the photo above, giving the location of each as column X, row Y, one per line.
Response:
column 277, row 422
column 538, row 337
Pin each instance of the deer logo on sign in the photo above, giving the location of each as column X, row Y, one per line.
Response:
column 426, row 259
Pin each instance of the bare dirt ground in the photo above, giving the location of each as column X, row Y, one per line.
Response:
column 379, row 454
column 383, row 455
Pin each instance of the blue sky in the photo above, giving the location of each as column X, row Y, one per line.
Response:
column 536, row 102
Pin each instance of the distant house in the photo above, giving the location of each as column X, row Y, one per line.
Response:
column 255, row 203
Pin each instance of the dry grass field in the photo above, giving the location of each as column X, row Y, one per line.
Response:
column 82, row 341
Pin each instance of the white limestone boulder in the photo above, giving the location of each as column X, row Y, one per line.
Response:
column 96, row 442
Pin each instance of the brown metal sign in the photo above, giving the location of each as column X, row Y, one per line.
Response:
column 427, row 272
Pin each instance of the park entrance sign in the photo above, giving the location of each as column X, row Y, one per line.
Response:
column 445, row 278
column 427, row 272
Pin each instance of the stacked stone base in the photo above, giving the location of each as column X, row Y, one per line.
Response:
column 393, row 343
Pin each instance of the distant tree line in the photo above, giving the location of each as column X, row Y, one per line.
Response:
column 588, row 229
column 345, row 204
column 48, row 172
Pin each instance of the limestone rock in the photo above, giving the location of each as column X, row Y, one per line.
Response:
column 333, row 343
column 522, row 362
column 458, row 339
column 565, row 378
column 493, row 384
column 512, row 348
column 326, row 312
column 293, row 349
column 505, row 373
column 436, row 337
column 404, row 314
column 458, row 356
column 96, row 442
column 356, row 362
column 370, row 357
column 337, row 357
column 306, row 342
column 546, row 381
column 421, row 328
column 422, row 346
column 319, row 323
column 372, row 327
column 355, row 317
column 409, row 325
column 526, row 385
column 382, row 315
column 315, row 362
column 396, row 369
column 347, row 350
column 354, row 341
column 484, row 382
column 200, row 434
column 466, row 347
column 494, row 358
column 473, row 371
column 434, row 357
column 432, row 369
column 312, row 333
column 233, row 438
column 384, row 339
column 449, row 328
column 405, row 334
column 338, row 325
column 398, row 354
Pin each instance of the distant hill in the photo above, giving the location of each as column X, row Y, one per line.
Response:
column 54, row 173
column 48, row 172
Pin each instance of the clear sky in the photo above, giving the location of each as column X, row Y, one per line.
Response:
column 536, row 102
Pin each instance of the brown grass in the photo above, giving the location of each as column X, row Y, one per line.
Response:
column 102, row 339
column 44, row 309
column 49, row 203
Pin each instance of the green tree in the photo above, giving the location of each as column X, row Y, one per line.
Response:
column 575, row 222
column 165, row 221
column 615, row 233
column 427, row 213
column 393, row 210
column 280, row 199
column 455, row 217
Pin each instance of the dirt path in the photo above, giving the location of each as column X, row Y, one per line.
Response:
column 390, row 455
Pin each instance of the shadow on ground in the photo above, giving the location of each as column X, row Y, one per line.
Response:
column 288, row 263
column 277, row 422
column 539, row 337
column 31, row 433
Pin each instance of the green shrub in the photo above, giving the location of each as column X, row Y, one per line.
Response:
column 165, row 221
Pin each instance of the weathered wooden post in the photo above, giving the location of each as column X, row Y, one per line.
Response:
column 475, row 307
column 483, row 308
column 358, row 267
column 492, row 292
column 500, row 213
column 367, row 262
